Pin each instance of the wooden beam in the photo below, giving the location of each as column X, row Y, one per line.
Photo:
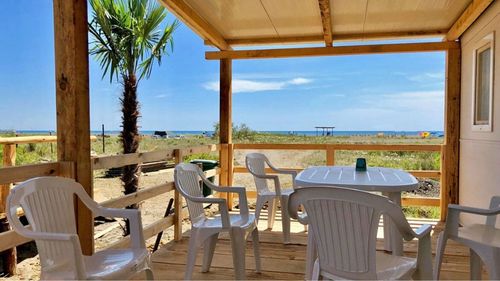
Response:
column 450, row 159
column 326, row 20
column 332, row 51
column 72, row 102
column 8, row 257
column 184, row 12
column 471, row 13
column 337, row 38
column 226, row 124
column 32, row 139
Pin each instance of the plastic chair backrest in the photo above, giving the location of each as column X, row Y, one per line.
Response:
column 256, row 165
column 344, row 223
column 48, row 204
column 188, row 178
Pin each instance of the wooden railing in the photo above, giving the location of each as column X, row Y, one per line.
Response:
column 9, row 175
column 330, row 150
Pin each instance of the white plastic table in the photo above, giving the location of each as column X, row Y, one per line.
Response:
column 386, row 180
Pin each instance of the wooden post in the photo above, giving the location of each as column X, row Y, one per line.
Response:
column 72, row 103
column 9, row 257
column 226, row 124
column 230, row 174
column 330, row 156
column 178, row 202
column 450, row 152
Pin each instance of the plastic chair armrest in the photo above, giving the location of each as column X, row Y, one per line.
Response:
column 134, row 217
column 472, row 210
column 423, row 231
column 242, row 196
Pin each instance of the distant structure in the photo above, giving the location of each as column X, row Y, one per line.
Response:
column 325, row 130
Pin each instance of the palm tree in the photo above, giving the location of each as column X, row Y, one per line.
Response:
column 127, row 41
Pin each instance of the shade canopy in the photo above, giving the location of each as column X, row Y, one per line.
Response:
column 224, row 23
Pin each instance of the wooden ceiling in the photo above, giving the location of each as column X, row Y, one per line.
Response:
column 226, row 23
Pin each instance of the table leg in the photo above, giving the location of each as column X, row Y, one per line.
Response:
column 393, row 240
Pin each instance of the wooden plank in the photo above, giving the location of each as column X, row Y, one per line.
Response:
column 416, row 173
column 371, row 147
column 336, row 38
column 326, row 20
column 420, row 201
column 331, row 51
column 450, row 160
column 22, row 173
column 11, row 239
column 32, row 139
column 199, row 149
column 141, row 195
column 9, row 160
column 467, row 18
column 106, row 162
column 330, row 157
column 72, row 102
column 148, row 231
column 199, row 25
column 425, row 174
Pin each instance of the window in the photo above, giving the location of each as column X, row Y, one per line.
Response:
column 483, row 85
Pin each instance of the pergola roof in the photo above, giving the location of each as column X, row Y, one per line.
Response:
column 224, row 23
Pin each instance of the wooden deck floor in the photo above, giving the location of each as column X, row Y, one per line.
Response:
column 284, row 262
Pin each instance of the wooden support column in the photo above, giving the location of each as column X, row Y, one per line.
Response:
column 72, row 103
column 178, row 202
column 9, row 257
column 226, row 124
column 450, row 150
column 330, row 156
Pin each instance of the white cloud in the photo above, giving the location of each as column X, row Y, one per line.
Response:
column 161, row 96
column 252, row 86
column 427, row 77
column 300, row 81
column 420, row 110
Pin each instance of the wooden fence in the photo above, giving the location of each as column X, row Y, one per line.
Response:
column 8, row 175
column 10, row 239
column 330, row 150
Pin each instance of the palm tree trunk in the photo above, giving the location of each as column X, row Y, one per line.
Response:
column 130, row 137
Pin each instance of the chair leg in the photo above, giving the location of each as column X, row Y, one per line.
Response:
column 311, row 255
column 208, row 252
column 258, row 208
column 441, row 245
column 191, row 259
column 271, row 213
column 238, row 244
column 475, row 266
column 285, row 219
column 315, row 272
column 149, row 274
column 256, row 249
column 491, row 258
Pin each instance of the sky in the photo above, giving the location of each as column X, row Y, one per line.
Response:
column 403, row 92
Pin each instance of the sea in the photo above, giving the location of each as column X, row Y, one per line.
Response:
column 209, row 133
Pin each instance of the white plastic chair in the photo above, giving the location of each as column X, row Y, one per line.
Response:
column 343, row 227
column 205, row 230
column 483, row 240
column 48, row 203
column 256, row 165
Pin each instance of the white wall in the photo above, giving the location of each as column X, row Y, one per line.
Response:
column 479, row 151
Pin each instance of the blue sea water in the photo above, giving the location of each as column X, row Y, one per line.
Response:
column 299, row 133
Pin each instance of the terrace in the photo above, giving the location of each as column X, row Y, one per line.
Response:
column 224, row 25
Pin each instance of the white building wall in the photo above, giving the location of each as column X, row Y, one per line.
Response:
column 479, row 151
